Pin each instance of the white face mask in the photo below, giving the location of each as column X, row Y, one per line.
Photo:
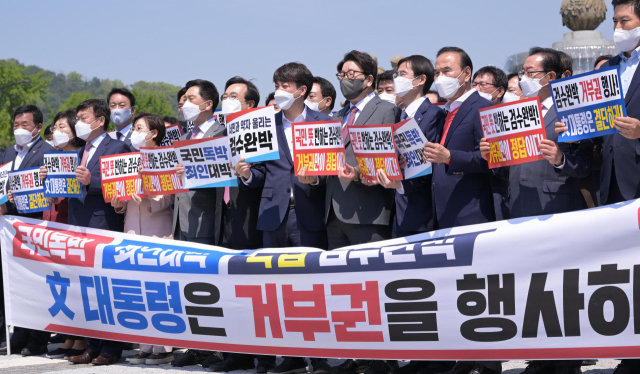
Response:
column 448, row 86
column 285, row 99
column 50, row 142
column 23, row 137
column 402, row 85
column 83, row 130
column 191, row 111
column 626, row 40
column 531, row 87
column 231, row 105
column 120, row 116
column 313, row 105
column 510, row 97
column 139, row 139
column 391, row 98
column 488, row 96
column 60, row 139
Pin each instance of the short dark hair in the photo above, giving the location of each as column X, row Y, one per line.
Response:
column 208, row 91
column 70, row 116
column 47, row 130
column 465, row 60
column 100, row 109
column 499, row 77
column 368, row 64
column 155, row 122
column 294, row 72
column 122, row 91
column 181, row 93
column 387, row 75
column 600, row 59
column 34, row 110
column 420, row 65
column 635, row 3
column 440, row 98
column 511, row 76
column 551, row 60
column 326, row 89
column 169, row 119
column 270, row 97
column 567, row 62
column 252, row 91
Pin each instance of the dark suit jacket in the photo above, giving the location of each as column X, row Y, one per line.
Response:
column 32, row 159
column 414, row 208
column 93, row 211
column 278, row 178
column 354, row 202
column 462, row 190
column 538, row 188
column 624, row 152
column 200, row 211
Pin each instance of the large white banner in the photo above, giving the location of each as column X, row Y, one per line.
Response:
column 554, row 287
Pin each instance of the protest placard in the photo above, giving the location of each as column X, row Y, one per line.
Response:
column 252, row 135
column 158, row 165
column 120, row 176
column 410, row 142
column 589, row 103
column 206, row 163
column 172, row 134
column 4, row 177
column 318, row 147
column 514, row 131
column 28, row 191
column 61, row 178
column 375, row 149
column 220, row 117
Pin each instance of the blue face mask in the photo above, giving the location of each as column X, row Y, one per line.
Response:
column 120, row 116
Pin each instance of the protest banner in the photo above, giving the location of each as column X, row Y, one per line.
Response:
column 220, row 117
column 589, row 103
column 4, row 178
column 375, row 149
column 318, row 147
column 465, row 293
column 61, row 178
column 158, row 166
column 206, row 163
column 172, row 134
column 119, row 176
column 252, row 135
column 514, row 131
column 410, row 142
column 28, row 191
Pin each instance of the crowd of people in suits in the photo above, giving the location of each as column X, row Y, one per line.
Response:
column 276, row 207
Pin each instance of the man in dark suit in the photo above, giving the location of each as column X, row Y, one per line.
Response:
column 414, row 208
column 123, row 108
column 241, row 205
column 291, row 212
column 93, row 211
column 358, row 210
column 27, row 153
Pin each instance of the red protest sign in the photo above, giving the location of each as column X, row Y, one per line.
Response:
column 375, row 149
column 159, row 171
column 514, row 131
column 119, row 176
column 318, row 147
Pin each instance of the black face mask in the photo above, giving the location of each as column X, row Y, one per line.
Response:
column 351, row 88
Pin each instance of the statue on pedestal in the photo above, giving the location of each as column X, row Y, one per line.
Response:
column 583, row 14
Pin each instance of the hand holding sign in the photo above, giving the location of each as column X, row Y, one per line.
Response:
column 179, row 171
column 628, row 127
column 43, row 172
column 243, row 169
column 437, row 153
column 349, row 175
column 386, row 182
column 306, row 179
column 485, row 148
column 551, row 152
column 83, row 174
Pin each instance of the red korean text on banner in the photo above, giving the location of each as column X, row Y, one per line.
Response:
column 172, row 133
column 158, row 165
column 375, row 149
column 514, row 131
column 318, row 147
column 119, row 176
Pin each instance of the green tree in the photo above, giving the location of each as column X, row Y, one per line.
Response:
column 152, row 102
column 75, row 99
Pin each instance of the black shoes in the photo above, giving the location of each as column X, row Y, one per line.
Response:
column 568, row 370
column 480, row 369
column 57, row 338
column 34, row 350
column 412, row 367
column 232, row 363
column 16, row 347
column 264, row 366
column 320, row 366
column 59, row 353
column 461, row 367
column 290, row 365
column 351, row 367
column 382, row 367
column 215, row 358
column 190, row 357
column 539, row 367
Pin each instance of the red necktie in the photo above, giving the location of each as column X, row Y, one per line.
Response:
column 447, row 124
column 350, row 121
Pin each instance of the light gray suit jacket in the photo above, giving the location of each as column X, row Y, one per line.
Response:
column 200, row 211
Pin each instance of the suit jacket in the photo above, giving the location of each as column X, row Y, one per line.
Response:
column 93, row 211
column 625, row 153
column 278, row 178
column 151, row 217
column 200, row 211
column 414, row 208
column 354, row 202
column 538, row 188
column 127, row 139
column 33, row 158
column 462, row 192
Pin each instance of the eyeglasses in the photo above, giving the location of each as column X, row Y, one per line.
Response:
column 400, row 74
column 86, row 120
column 529, row 74
column 233, row 96
column 351, row 74
column 482, row 85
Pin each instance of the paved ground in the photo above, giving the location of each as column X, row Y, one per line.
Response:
column 40, row 364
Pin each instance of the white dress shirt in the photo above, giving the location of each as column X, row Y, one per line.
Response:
column 94, row 145
column 628, row 66
column 124, row 132
column 361, row 104
column 546, row 105
column 412, row 108
column 22, row 151
column 203, row 128
column 451, row 106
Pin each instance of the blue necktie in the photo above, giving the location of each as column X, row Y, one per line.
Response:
column 403, row 116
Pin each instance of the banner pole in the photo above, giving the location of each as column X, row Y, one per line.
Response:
column 7, row 334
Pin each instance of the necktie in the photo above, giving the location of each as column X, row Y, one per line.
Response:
column 447, row 124
column 119, row 135
column 227, row 196
column 403, row 116
column 195, row 132
column 350, row 121
column 85, row 155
